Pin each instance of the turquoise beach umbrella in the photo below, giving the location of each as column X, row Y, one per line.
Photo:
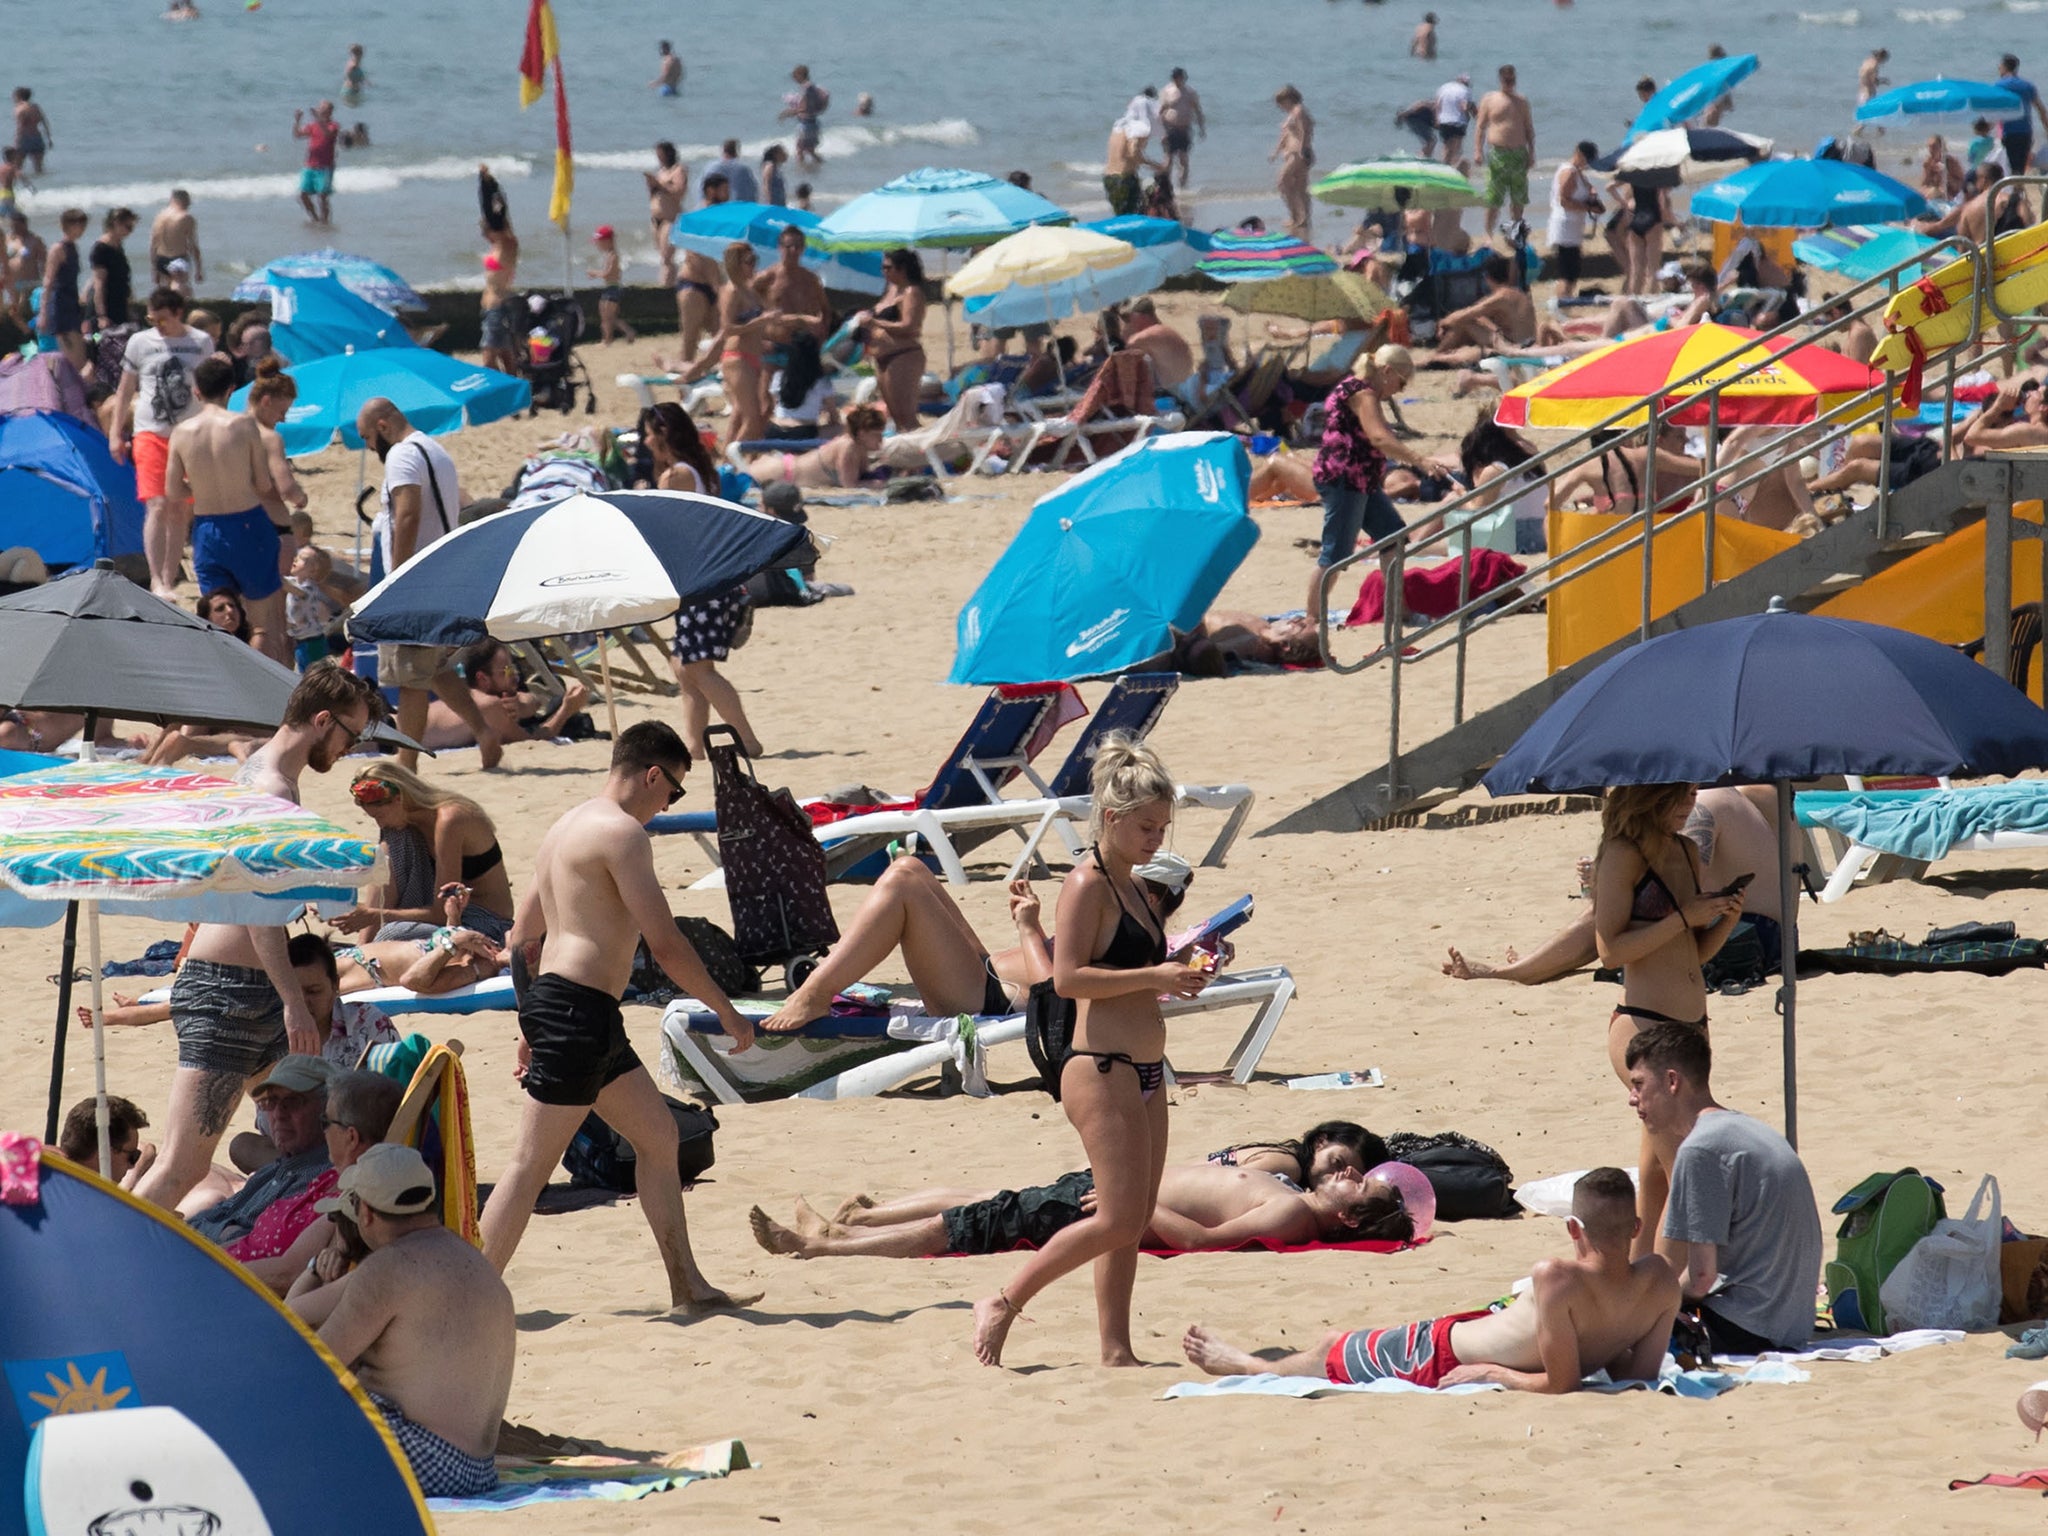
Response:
column 1808, row 194
column 318, row 316
column 361, row 276
column 710, row 229
column 1691, row 93
column 438, row 394
column 945, row 209
column 1928, row 100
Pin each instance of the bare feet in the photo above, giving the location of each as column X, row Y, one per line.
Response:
column 1119, row 1358
column 1461, row 969
column 774, row 1236
column 992, row 1318
column 490, row 750
column 788, row 1019
column 809, row 1224
column 850, row 1208
column 1204, row 1349
column 711, row 1299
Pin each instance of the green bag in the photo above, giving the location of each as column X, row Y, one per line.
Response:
column 1882, row 1218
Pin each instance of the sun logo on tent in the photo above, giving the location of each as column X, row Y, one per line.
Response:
column 73, row 1393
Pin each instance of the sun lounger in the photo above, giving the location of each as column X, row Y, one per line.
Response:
column 857, row 1058
column 490, row 996
column 1880, row 835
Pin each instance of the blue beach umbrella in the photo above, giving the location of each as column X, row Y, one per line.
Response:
column 174, row 1393
column 1773, row 698
column 946, row 209
column 437, row 393
column 361, row 276
column 1692, row 93
column 1930, row 100
column 1859, row 252
column 1111, row 564
column 710, row 229
column 313, row 317
column 62, row 494
column 1043, row 303
column 1172, row 244
column 1808, row 194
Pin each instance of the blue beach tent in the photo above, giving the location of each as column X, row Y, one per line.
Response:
column 62, row 494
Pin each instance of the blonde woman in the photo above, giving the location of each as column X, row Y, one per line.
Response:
column 447, row 869
column 744, row 326
column 1652, row 922
column 1111, row 960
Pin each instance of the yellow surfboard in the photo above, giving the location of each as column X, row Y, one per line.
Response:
column 1934, row 314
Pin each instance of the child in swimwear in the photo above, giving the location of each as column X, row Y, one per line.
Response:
column 609, row 271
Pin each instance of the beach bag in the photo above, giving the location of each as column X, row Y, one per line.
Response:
column 600, row 1158
column 1950, row 1278
column 1883, row 1218
column 1472, row 1181
column 1049, row 1034
column 714, row 946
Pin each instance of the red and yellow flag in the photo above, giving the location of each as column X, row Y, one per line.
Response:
column 542, row 49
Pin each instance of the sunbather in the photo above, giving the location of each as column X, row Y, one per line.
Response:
column 1594, row 1310
column 1226, row 641
column 446, row 863
column 513, row 710
column 1202, row 1207
column 1318, row 1152
column 2016, row 417
column 1613, row 482
column 845, row 461
column 450, row 959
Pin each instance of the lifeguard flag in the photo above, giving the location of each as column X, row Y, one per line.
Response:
column 542, row 49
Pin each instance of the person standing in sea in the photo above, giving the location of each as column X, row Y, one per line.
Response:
column 1504, row 133
column 32, row 135
column 174, row 238
column 1180, row 113
column 1296, row 152
column 668, row 71
column 316, row 181
column 806, row 104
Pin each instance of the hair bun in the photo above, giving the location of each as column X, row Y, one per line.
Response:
column 270, row 367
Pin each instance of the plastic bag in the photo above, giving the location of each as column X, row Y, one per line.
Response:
column 1950, row 1278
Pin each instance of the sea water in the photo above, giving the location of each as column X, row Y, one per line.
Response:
column 140, row 104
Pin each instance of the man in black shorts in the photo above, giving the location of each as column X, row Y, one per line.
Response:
column 594, row 894
column 236, row 1005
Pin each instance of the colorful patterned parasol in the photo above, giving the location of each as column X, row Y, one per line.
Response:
column 1235, row 258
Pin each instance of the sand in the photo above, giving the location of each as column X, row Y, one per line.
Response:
column 852, row 1382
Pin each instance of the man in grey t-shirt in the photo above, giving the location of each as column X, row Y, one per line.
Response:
column 1740, row 1224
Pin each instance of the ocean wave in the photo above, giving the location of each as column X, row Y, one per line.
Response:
column 1946, row 16
column 1848, row 18
column 349, row 180
column 2026, row 7
column 842, row 142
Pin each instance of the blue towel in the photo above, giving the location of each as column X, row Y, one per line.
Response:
column 1927, row 825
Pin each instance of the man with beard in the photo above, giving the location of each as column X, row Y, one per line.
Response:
column 236, row 1005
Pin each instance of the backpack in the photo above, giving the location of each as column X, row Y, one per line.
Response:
column 1882, row 1219
column 600, row 1158
column 1471, row 1180
column 1049, row 1034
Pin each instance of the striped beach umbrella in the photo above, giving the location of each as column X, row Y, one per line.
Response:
column 1374, row 183
column 1243, row 258
column 1797, row 384
column 1671, row 157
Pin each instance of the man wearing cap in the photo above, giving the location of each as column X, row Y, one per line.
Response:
column 425, row 1323
column 286, row 1237
column 293, row 1099
column 1453, row 115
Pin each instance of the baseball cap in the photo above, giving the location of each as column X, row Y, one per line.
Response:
column 786, row 500
column 296, row 1074
column 1165, row 869
column 602, row 232
column 388, row 1178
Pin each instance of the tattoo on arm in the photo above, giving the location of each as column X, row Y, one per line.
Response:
column 219, row 1094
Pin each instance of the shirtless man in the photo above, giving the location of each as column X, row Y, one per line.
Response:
column 1500, row 322
column 1504, row 133
column 1735, row 829
column 219, row 462
column 1972, row 218
column 32, row 135
column 1422, row 44
column 1173, row 360
column 594, row 896
column 1868, row 79
column 425, row 1323
column 2016, row 417
column 237, row 1002
column 793, row 289
column 697, row 289
column 1180, row 117
column 1203, row 1207
column 1595, row 1310
column 667, row 185
column 174, row 236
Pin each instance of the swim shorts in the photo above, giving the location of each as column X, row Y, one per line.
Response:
column 1570, row 261
column 1419, row 1353
column 150, row 452
column 497, row 330
column 316, row 181
column 577, row 1039
column 239, row 550
column 228, row 1019
column 412, row 666
column 1123, row 193
column 443, row 1471
column 1014, row 1218
column 1178, row 141
column 1507, row 177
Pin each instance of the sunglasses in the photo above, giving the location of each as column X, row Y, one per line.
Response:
column 372, row 792
column 349, row 735
column 675, row 785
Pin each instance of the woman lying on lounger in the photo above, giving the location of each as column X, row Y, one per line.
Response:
column 953, row 971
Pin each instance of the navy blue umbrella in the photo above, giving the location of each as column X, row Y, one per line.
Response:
column 1773, row 698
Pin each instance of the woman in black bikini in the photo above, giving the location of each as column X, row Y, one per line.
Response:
column 1653, row 922
column 1314, row 1155
column 446, row 866
column 1113, row 963
column 894, row 331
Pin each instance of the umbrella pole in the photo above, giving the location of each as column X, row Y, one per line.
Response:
column 70, row 954
column 1788, row 931
column 99, row 1040
column 604, row 666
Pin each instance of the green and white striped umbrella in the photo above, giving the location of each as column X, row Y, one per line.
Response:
column 1372, row 184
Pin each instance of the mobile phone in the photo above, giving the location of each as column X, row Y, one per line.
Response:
column 1736, row 886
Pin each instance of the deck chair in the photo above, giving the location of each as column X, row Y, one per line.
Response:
column 2020, row 821
column 1120, row 406
column 964, row 435
column 433, row 1118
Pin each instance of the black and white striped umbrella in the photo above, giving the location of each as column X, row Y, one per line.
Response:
column 1672, row 157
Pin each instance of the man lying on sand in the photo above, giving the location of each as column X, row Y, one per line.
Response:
column 1595, row 1310
column 1202, row 1207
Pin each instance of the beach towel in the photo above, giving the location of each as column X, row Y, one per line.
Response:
column 559, row 1479
column 1926, row 826
column 1431, row 591
column 1671, row 1380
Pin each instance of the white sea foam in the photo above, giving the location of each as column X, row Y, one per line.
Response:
column 843, row 142
column 1945, row 16
column 1848, row 18
column 2026, row 7
column 349, row 180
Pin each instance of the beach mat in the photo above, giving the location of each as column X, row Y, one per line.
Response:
column 2037, row 1481
column 1673, row 1381
column 562, row 1478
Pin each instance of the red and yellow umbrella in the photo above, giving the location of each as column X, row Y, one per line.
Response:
column 1797, row 383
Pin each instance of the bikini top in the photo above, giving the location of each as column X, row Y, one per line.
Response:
column 1133, row 946
column 474, row 864
column 1652, row 900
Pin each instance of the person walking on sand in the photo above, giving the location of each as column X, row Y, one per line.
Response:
column 1111, row 960
column 2017, row 133
column 499, row 332
column 610, row 273
column 236, row 1005
column 60, row 322
column 113, row 276
column 806, row 105
column 33, row 137
column 156, row 378
column 174, row 238
column 1296, row 152
column 668, row 71
column 595, row 895
column 1180, row 116
column 316, row 181
column 1504, row 134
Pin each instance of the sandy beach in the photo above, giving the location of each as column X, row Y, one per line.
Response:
column 852, row 1384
